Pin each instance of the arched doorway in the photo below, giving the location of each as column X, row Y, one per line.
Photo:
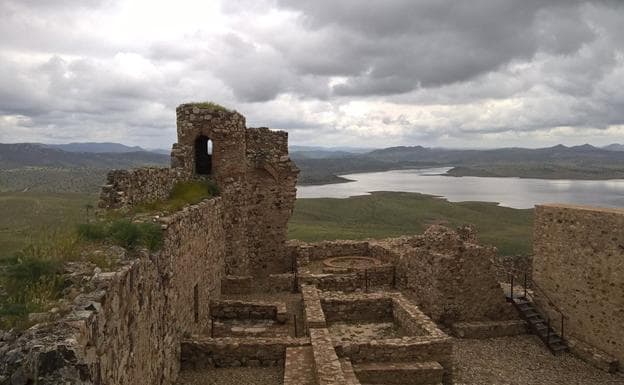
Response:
column 203, row 155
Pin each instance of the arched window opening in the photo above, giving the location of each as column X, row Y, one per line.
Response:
column 203, row 155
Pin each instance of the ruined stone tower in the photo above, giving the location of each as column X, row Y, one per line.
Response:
column 252, row 169
column 255, row 176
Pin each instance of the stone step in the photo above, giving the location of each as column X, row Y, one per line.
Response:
column 299, row 366
column 407, row 373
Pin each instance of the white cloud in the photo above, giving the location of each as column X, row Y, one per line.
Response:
column 408, row 72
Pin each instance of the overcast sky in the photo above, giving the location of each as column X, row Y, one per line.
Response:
column 478, row 73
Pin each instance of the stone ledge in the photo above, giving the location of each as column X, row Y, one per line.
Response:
column 203, row 352
column 489, row 329
column 593, row 356
column 235, row 309
column 327, row 367
column 430, row 372
column 312, row 310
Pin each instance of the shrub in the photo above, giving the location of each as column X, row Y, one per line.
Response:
column 14, row 315
column 92, row 231
column 124, row 233
column 31, row 279
column 151, row 236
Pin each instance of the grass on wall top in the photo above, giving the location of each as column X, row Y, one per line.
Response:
column 211, row 106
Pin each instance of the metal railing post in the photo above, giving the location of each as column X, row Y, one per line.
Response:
column 561, row 325
column 548, row 333
column 211, row 327
column 295, row 324
column 511, row 287
column 366, row 280
column 525, row 285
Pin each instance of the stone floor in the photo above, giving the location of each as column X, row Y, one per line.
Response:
column 522, row 360
column 351, row 331
column 233, row 376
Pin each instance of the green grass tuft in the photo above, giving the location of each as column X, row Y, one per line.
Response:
column 182, row 194
column 211, row 106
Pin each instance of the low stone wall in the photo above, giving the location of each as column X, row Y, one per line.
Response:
column 415, row 349
column 232, row 309
column 342, row 307
column 326, row 249
column 203, row 352
column 312, row 310
column 411, row 319
column 128, row 188
column 327, row 366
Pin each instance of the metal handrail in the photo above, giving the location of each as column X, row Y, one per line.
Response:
column 535, row 288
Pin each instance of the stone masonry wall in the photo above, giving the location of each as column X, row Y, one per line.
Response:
column 579, row 263
column 127, row 188
column 271, row 178
column 145, row 312
column 127, row 326
column 451, row 277
column 227, row 132
column 253, row 171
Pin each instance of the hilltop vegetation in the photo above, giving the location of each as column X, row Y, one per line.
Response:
column 390, row 214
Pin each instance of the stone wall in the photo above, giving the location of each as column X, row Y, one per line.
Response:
column 579, row 264
column 127, row 188
column 253, row 171
column 448, row 273
column 127, row 326
column 271, row 179
column 451, row 277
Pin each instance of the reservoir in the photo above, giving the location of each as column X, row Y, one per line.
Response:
column 509, row 192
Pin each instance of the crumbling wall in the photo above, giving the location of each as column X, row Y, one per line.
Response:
column 579, row 263
column 446, row 272
column 451, row 277
column 127, row 188
column 127, row 326
column 226, row 130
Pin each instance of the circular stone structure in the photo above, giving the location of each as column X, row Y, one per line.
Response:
column 349, row 263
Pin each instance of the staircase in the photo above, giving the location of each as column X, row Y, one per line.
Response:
column 538, row 325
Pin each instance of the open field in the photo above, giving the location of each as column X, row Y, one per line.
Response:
column 388, row 214
column 26, row 216
column 385, row 214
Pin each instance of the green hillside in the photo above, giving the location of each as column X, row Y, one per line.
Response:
column 388, row 214
column 28, row 216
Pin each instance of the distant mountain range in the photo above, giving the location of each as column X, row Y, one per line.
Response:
column 82, row 155
column 557, row 162
column 82, row 166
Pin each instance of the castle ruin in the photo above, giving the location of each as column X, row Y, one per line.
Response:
column 227, row 289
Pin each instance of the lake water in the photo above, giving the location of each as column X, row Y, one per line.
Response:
column 510, row 192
